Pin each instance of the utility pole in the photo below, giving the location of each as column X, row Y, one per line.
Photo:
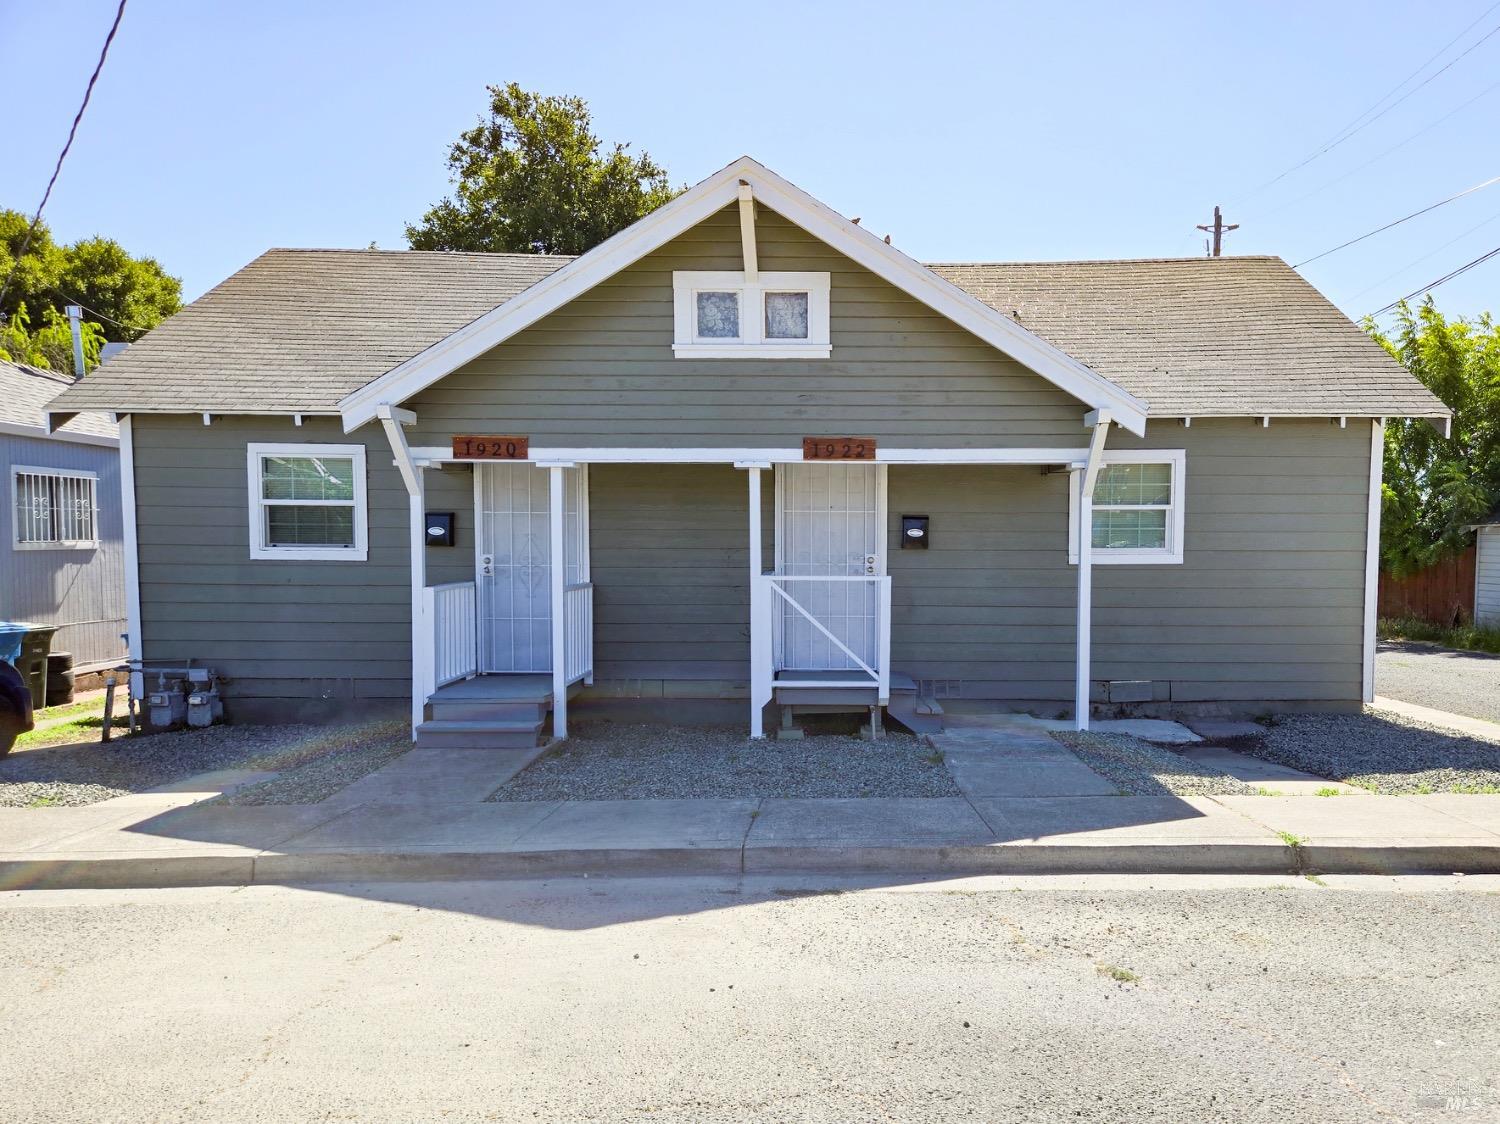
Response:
column 75, row 315
column 1219, row 230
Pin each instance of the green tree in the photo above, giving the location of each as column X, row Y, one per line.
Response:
column 532, row 177
column 123, row 296
column 1437, row 486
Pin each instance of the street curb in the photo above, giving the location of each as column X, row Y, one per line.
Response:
column 20, row 871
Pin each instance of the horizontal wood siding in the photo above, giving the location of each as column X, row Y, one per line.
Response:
column 335, row 631
column 82, row 592
column 1267, row 604
column 1487, row 579
column 600, row 371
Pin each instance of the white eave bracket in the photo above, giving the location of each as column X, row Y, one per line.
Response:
column 392, row 418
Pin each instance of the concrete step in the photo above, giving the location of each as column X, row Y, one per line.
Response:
column 484, row 733
column 488, row 710
column 906, row 709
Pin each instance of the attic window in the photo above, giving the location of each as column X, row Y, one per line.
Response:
column 723, row 316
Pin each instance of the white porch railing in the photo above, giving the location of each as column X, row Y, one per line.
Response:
column 862, row 639
column 578, row 631
column 451, row 613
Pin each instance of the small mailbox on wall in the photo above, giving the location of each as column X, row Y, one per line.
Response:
column 914, row 532
column 439, row 527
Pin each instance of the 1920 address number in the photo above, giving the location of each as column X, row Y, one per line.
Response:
column 490, row 448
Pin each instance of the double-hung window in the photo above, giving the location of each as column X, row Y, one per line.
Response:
column 54, row 508
column 308, row 502
column 720, row 315
column 1138, row 508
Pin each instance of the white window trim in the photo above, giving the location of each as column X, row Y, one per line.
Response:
column 1171, row 554
column 61, row 544
column 752, row 343
column 359, row 552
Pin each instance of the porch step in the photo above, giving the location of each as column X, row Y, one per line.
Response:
column 447, row 733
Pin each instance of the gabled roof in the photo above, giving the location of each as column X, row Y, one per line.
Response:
column 1205, row 336
column 25, row 393
column 299, row 331
column 296, row 330
column 688, row 210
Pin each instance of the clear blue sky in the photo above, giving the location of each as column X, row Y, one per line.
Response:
column 967, row 131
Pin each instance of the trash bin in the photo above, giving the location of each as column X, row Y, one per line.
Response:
column 25, row 646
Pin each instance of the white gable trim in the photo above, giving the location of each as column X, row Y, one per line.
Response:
column 688, row 210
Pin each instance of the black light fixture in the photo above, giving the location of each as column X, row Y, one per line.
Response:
column 914, row 532
column 439, row 528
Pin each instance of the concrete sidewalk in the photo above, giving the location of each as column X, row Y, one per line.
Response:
column 1027, row 805
column 149, row 840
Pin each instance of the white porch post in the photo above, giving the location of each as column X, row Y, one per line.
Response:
column 558, row 568
column 422, row 651
column 759, row 640
column 1099, row 420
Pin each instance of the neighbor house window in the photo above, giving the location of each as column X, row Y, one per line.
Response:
column 1138, row 508
column 723, row 316
column 55, row 508
column 307, row 502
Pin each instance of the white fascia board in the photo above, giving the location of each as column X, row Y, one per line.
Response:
column 690, row 208
column 541, row 455
column 16, row 429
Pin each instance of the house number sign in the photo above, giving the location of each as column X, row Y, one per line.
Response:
column 838, row 448
column 469, row 447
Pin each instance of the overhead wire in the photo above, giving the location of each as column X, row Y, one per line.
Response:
column 63, row 155
column 1398, row 222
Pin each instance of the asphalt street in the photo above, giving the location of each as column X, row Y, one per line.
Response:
column 1096, row 999
column 1466, row 683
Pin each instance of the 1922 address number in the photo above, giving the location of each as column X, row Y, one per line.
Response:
column 838, row 448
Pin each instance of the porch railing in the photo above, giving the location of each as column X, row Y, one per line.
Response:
column 861, row 639
column 452, row 613
column 578, row 631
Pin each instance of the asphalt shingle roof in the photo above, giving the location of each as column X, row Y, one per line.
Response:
column 1204, row 336
column 25, row 392
column 297, row 330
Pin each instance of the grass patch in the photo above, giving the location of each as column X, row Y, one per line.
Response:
column 86, row 729
column 1264, row 791
column 1329, row 792
column 1118, row 974
column 1469, row 637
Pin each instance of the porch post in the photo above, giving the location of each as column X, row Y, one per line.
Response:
column 1099, row 420
column 392, row 418
column 558, row 568
column 759, row 656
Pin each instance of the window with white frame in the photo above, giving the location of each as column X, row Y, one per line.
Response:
column 723, row 316
column 1138, row 508
column 308, row 502
column 55, row 508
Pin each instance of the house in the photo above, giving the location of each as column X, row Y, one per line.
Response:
column 747, row 453
column 1487, row 571
column 62, row 553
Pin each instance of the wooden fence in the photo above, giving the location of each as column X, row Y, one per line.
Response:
column 1443, row 594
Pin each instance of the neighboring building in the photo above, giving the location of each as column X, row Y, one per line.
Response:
column 61, row 530
column 1487, row 572
column 775, row 459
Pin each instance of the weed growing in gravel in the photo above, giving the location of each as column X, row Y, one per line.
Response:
column 1118, row 974
column 1476, row 789
column 935, row 757
column 46, row 802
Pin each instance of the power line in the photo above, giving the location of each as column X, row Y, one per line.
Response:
column 63, row 155
column 1441, row 280
column 1429, row 254
column 100, row 315
column 1398, row 222
column 1490, row 89
column 1360, row 123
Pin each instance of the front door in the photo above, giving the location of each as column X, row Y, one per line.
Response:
column 514, row 571
column 830, row 524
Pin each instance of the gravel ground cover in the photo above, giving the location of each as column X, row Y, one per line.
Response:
column 86, row 775
column 339, row 761
column 1384, row 752
column 630, row 762
column 1466, row 683
column 1140, row 768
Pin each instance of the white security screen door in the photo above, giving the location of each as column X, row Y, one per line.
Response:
column 830, row 522
column 514, row 575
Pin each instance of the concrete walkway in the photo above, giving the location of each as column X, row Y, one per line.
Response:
column 1443, row 719
column 1028, row 805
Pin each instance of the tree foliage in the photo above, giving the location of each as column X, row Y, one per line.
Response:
column 532, row 177
column 1436, row 487
column 123, row 296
